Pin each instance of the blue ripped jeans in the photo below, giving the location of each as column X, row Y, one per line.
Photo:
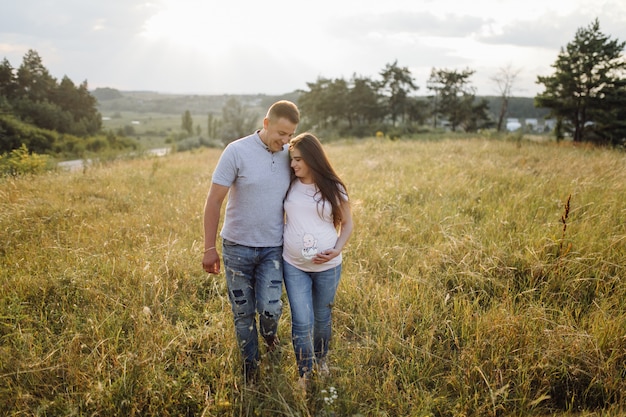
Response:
column 254, row 277
column 311, row 297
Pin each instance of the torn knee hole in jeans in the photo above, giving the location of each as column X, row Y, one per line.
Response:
column 237, row 296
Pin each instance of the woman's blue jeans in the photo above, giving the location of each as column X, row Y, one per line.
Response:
column 254, row 277
column 311, row 297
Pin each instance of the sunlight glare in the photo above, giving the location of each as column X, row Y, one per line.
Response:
column 191, row 25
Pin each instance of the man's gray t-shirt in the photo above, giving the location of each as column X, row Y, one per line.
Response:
column 258, row 181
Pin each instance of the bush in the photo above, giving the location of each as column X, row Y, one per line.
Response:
column 20, row 162
column 197, row 142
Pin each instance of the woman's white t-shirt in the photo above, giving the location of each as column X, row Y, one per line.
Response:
column 308, row 229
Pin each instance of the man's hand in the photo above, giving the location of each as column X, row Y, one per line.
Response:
column 211, row 262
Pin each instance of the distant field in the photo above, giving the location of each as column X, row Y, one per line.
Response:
column 146, row 121
column 484, row 278
column 150, row 129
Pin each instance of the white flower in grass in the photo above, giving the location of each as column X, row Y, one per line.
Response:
column 330, row 396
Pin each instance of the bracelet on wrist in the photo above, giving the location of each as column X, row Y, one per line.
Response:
column 211, row 248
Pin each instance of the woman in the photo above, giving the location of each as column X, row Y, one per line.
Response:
column 318, row 225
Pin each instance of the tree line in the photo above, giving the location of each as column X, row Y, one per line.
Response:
column 586, row 95
column 35, row 96
column 49, row 116
column 362, row 105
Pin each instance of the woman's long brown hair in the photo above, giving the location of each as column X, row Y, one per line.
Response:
column 329, row 185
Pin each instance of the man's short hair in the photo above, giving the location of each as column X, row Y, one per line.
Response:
column 285, row 109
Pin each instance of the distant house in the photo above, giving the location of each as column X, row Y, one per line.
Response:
column 513, row 124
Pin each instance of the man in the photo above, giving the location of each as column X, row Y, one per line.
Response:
column 255, row 173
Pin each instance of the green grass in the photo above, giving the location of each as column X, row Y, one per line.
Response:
column 468, row 288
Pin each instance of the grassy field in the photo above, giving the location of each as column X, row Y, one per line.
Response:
column 151, row 130
column 484, row 278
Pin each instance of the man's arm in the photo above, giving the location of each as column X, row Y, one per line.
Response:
column 212, row 210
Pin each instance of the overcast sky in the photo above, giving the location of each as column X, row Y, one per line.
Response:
column 278, row 46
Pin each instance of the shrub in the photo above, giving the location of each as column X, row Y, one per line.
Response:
column 21, row 162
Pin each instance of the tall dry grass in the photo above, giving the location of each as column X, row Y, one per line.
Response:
column 468, row 289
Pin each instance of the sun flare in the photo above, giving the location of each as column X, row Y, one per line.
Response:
column 200, row 25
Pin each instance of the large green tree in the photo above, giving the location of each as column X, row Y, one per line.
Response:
column 213, row 124
column 397, row 85
column 364, row 102
column 327, row 103
column 237, row 120
column 8, row 85
column 187, row 122
column 587, row 92
column 79, row 105
column 454, row 100
column 34, row 80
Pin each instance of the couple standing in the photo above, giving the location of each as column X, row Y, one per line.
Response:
column 287, row 216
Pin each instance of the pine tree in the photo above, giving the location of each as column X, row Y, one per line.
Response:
column 587, row 92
